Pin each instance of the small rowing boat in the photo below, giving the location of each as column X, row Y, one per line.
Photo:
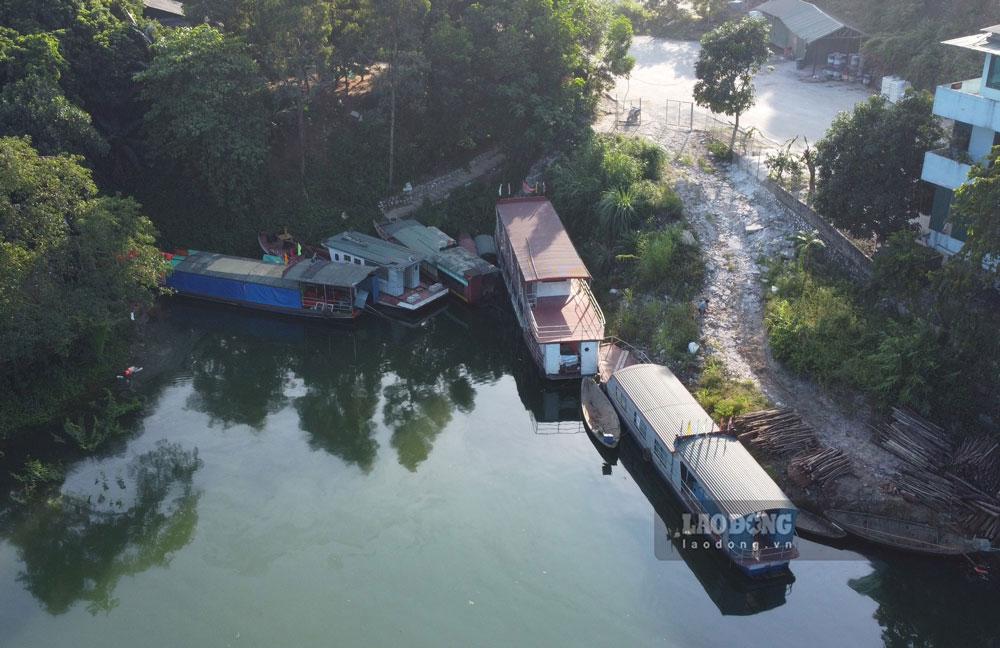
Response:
column 599, row 414
column 818, row 526
column 905, row 535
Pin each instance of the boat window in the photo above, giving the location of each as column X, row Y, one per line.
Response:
column 336, row 256
column 357, row 261
column 347, row 257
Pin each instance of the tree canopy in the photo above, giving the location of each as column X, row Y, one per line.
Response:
column 977, row 208
column 870, row 163
column 207, row 113
column 730, row 56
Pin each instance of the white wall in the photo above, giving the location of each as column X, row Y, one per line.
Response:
column 553, row 288
column 588, row 357
column 980, row 143
column 551, row 359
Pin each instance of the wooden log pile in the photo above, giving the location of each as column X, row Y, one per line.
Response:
column 776, row 431
column 916, row 441
column 963, row 480
column 818, row 466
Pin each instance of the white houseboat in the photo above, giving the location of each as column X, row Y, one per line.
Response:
column 549, row 288
column 751, row 520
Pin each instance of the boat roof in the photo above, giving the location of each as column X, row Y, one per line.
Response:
column 328, row 273
column 425, row 239
column 316, row 271
column 438, row 246
column 379, row 252
column 739, row 485
column 485, row 245
column 664, row 402
column 540, row 243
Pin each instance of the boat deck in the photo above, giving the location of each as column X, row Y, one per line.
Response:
column 414, row 298
column 562, row 319
column 613, row 357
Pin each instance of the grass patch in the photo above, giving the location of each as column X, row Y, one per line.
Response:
column 670, row 261
column 723, row 396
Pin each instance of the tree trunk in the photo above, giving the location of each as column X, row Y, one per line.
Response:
column 736, row 129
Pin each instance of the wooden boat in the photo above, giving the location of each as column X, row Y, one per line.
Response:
column 818, row 526
column 599, row 414
column 907, row 536
column 285, row 246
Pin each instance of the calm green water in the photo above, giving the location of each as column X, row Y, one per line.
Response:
column 296, row 485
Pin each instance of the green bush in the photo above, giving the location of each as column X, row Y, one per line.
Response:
column 657, row 199
column 720, row 150
column 902, row 266
column 635, row 320
column 679, row 326
column 723, row 397
column 666, row 263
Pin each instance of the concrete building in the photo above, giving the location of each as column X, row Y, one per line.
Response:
column 974, row 108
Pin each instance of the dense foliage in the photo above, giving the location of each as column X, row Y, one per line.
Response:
column 918, row 334
column 903, row 36
column 977, row 208
column 75, row 264
column 869, row 164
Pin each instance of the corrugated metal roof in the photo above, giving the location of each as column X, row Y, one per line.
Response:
column 166, row 6
column 316, row 271
column 734, row 478
column 440, row 248
column 369, row 248
column 540, row 242
column 986, row 41
column 328, row 273
column 664, row 402
column 804, row 19
column 238, row 268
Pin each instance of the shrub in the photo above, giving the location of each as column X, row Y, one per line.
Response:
column 636, row 321
column 657, row 199
column 720, row 150
column 902, row 266
column 679, row 327
column 666, row 262
column 722, row 396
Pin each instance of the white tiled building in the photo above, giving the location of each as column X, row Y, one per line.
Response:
column 974, row 106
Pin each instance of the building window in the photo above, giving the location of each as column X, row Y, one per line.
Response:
column 993, row 75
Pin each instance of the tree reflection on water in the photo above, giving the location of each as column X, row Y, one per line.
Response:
column 78, row 546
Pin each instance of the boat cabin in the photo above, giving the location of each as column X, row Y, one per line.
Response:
column 397, row 267
column 465, row 274
column 549, row 287
column 711, row 472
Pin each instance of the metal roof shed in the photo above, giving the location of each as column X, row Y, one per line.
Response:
column 807, row 31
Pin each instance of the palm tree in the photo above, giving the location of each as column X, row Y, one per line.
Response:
column 805, row 243
column 617, row 209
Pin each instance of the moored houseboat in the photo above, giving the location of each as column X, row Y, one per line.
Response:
column 733, row 498
column 467, row 276
column 307, row 288
column 549, row 288
column 396, row 268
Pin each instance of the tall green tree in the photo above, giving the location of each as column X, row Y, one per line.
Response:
column 730, row 56
column 870, row 162
column 977, row 208
column 208, row 114
column 32, row 101
column 75, row 264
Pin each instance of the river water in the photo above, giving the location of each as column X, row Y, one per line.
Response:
column 292, row 484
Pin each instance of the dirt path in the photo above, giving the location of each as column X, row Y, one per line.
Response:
column 437, row 189
column 739, row 226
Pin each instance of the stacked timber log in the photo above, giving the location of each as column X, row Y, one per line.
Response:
column 775, row 431
column 818, row 466
column 914, row 440
column 962, row 481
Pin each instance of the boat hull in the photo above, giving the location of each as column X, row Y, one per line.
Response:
column 301, row 313
column 912, row 537
column 599, row 414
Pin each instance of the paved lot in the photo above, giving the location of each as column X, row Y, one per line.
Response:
column 789, row 103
